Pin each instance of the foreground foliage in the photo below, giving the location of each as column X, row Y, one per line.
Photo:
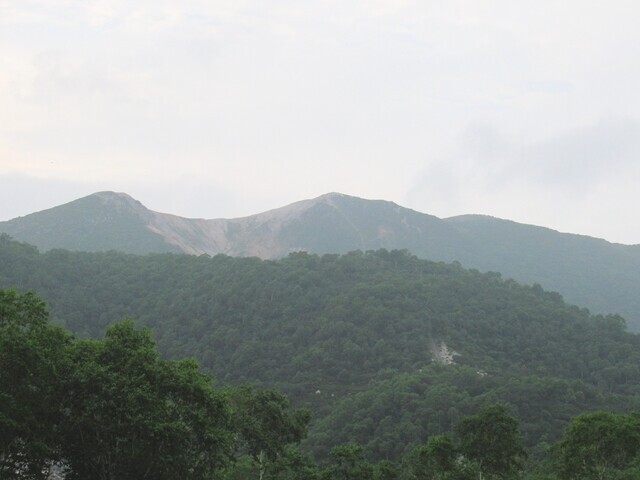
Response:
column 113, row 409
column 31, row 369
column 599, row 446
column 128, row 414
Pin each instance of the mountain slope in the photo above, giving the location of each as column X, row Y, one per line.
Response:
column 588, row 271
column 602, row 276
column 331, row 223
column 102, row 221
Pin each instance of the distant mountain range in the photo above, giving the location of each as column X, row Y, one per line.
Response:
column 602, row 276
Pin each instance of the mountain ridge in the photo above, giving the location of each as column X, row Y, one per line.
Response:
column 588, row 271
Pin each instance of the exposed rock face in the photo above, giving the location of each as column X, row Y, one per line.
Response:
column 256, row 235
column 442, row 354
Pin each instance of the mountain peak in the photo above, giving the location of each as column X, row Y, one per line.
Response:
column 342, row 196
column 110, row 195
column 332, row 195
column 120, row 200
column 98, row 222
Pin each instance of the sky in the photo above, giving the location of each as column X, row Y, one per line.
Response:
column 524, row 110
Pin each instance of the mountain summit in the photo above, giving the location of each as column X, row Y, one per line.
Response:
column 587, row 271
column 331, row 223
column 101, row 221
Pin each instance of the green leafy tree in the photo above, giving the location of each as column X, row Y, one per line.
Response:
column 491, row 439
column 293, row 464
column 130, row 415
column 435, row 460
column 347, row 463
column 600, row 446
column 386, row 470
column 31, row 364
column 266, row 425
column 439, row 459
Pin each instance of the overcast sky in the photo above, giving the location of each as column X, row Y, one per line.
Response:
column 526, row 110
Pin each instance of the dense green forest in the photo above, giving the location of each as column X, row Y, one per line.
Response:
column 113, row 409
column 355, row 339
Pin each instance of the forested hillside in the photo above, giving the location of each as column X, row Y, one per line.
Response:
column 590, row 272
column 603, row 276
column 111, row 408
column 385, row 348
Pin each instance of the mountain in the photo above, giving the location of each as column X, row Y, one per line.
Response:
column 102, row 221
column 602, row 276
column 332, row 223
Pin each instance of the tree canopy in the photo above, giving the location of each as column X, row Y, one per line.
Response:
column 112, row 409
column 356, row 338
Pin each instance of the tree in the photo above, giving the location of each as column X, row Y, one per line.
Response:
column 434, row 460
column 386, row 470
column 439, row 459
column 600, row 446
column 348, row 463
column 130, row 415
column 31, row 363
column 265, row 424
column 293, row 464
column 491, row 439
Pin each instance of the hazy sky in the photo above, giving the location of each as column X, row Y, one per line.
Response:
column 527, row 110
